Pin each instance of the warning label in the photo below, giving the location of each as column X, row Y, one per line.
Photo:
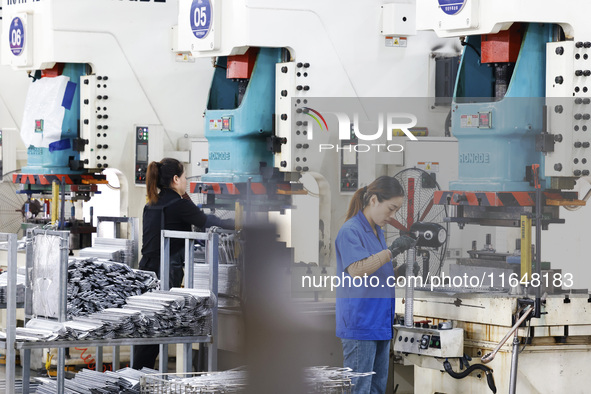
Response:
column 432, row 166
column 469, row 121
column 392, row 41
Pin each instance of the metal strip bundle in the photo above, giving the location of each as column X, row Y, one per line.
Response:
column 94, row 285
column 125, row 381
column 179, row 312
column 115, row 249
column 318, row 380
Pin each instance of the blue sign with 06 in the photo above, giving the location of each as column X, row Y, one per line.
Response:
column 16, row 36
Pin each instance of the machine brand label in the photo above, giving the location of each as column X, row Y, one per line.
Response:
column 13, row 2
column 219, row 155
column 475, row 158
column 16, row 36
column 200, row 18
column 452, row 7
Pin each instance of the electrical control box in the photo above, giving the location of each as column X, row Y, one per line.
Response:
column 141, row 154
column 429, row 341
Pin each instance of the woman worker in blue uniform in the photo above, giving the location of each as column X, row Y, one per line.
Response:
column 168, row 208
column 365, row 314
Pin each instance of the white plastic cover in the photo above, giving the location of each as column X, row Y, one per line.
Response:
column 44, row 115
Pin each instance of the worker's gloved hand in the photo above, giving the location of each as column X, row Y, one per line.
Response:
column 401, row 271
column 214, row 221
column 401, row 244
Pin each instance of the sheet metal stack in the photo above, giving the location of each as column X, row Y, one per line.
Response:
column 94, row 286
column 115, row 249
column 126, row 381
column 20, row 288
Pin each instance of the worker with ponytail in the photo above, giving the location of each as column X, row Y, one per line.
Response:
column 168, row 208
column 365, row 315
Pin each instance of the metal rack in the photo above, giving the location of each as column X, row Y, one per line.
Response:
column 11, row 345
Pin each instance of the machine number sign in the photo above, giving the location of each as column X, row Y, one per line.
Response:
column 201, row 12
column 452, row 7
column 16, row 35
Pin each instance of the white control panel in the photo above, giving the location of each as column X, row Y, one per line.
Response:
column 429, row 341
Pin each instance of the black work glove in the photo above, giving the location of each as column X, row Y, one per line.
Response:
column 401, row 244
column 401, row 271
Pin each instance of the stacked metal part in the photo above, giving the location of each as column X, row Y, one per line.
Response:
column 94, row 285
column 229, row 273
column 20, row 288
column 114, row 249
column 179, row 312
column 317, row 380
column 18, row 387
column 125, row 381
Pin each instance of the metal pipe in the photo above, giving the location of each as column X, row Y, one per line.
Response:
column 514, row 357
column 488, row 357
column 538, row 269
column 63, row 204
column 11, row 313
column 409, row 291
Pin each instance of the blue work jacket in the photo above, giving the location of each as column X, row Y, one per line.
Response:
column 366, row 312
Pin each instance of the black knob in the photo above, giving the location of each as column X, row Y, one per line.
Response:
column 299, row 123
column 105, row 97
column 578, row 116
column 585, row 172
column 283, row 116
column 85, row 161
column 585, row 144
column 99, row 127
column 86, row 81
column 99, row 165
column 559, row 50
column 298, row 146
column 559, row 80
column 586, row 100
column 578, row 73
column 105, row 78
column 284, row 140
column 306, row 146
column 587, row 44
column 99, row 97
column 99, row 116
column 298, row 168
column 299, row 87
column 579, row 44
column 86, row 101
column 106, row 165
column 305, row 168
column 306, row 65
column 587, row 73
column 105, row 127
column 557, row 167
column 299, row 111
column 578, row 100
column 305, row 122
column 558, row 109
column 306, row 88
column 300, row 64
column 578, row 144
column 558, row 138
column 284, row 93
column 284, row 70
column 586, row 116
column 85, row 121
column 577, row 172
column 99, row 77
column 283, row 164
column 105, row 146
column 105, row 116
column 99, row 146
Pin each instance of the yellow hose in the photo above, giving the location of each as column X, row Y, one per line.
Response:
column 55, row 191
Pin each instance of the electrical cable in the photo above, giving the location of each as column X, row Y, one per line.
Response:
column 465, row 43
column 461, row 375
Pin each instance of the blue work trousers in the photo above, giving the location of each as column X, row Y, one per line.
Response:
column 367, row 356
